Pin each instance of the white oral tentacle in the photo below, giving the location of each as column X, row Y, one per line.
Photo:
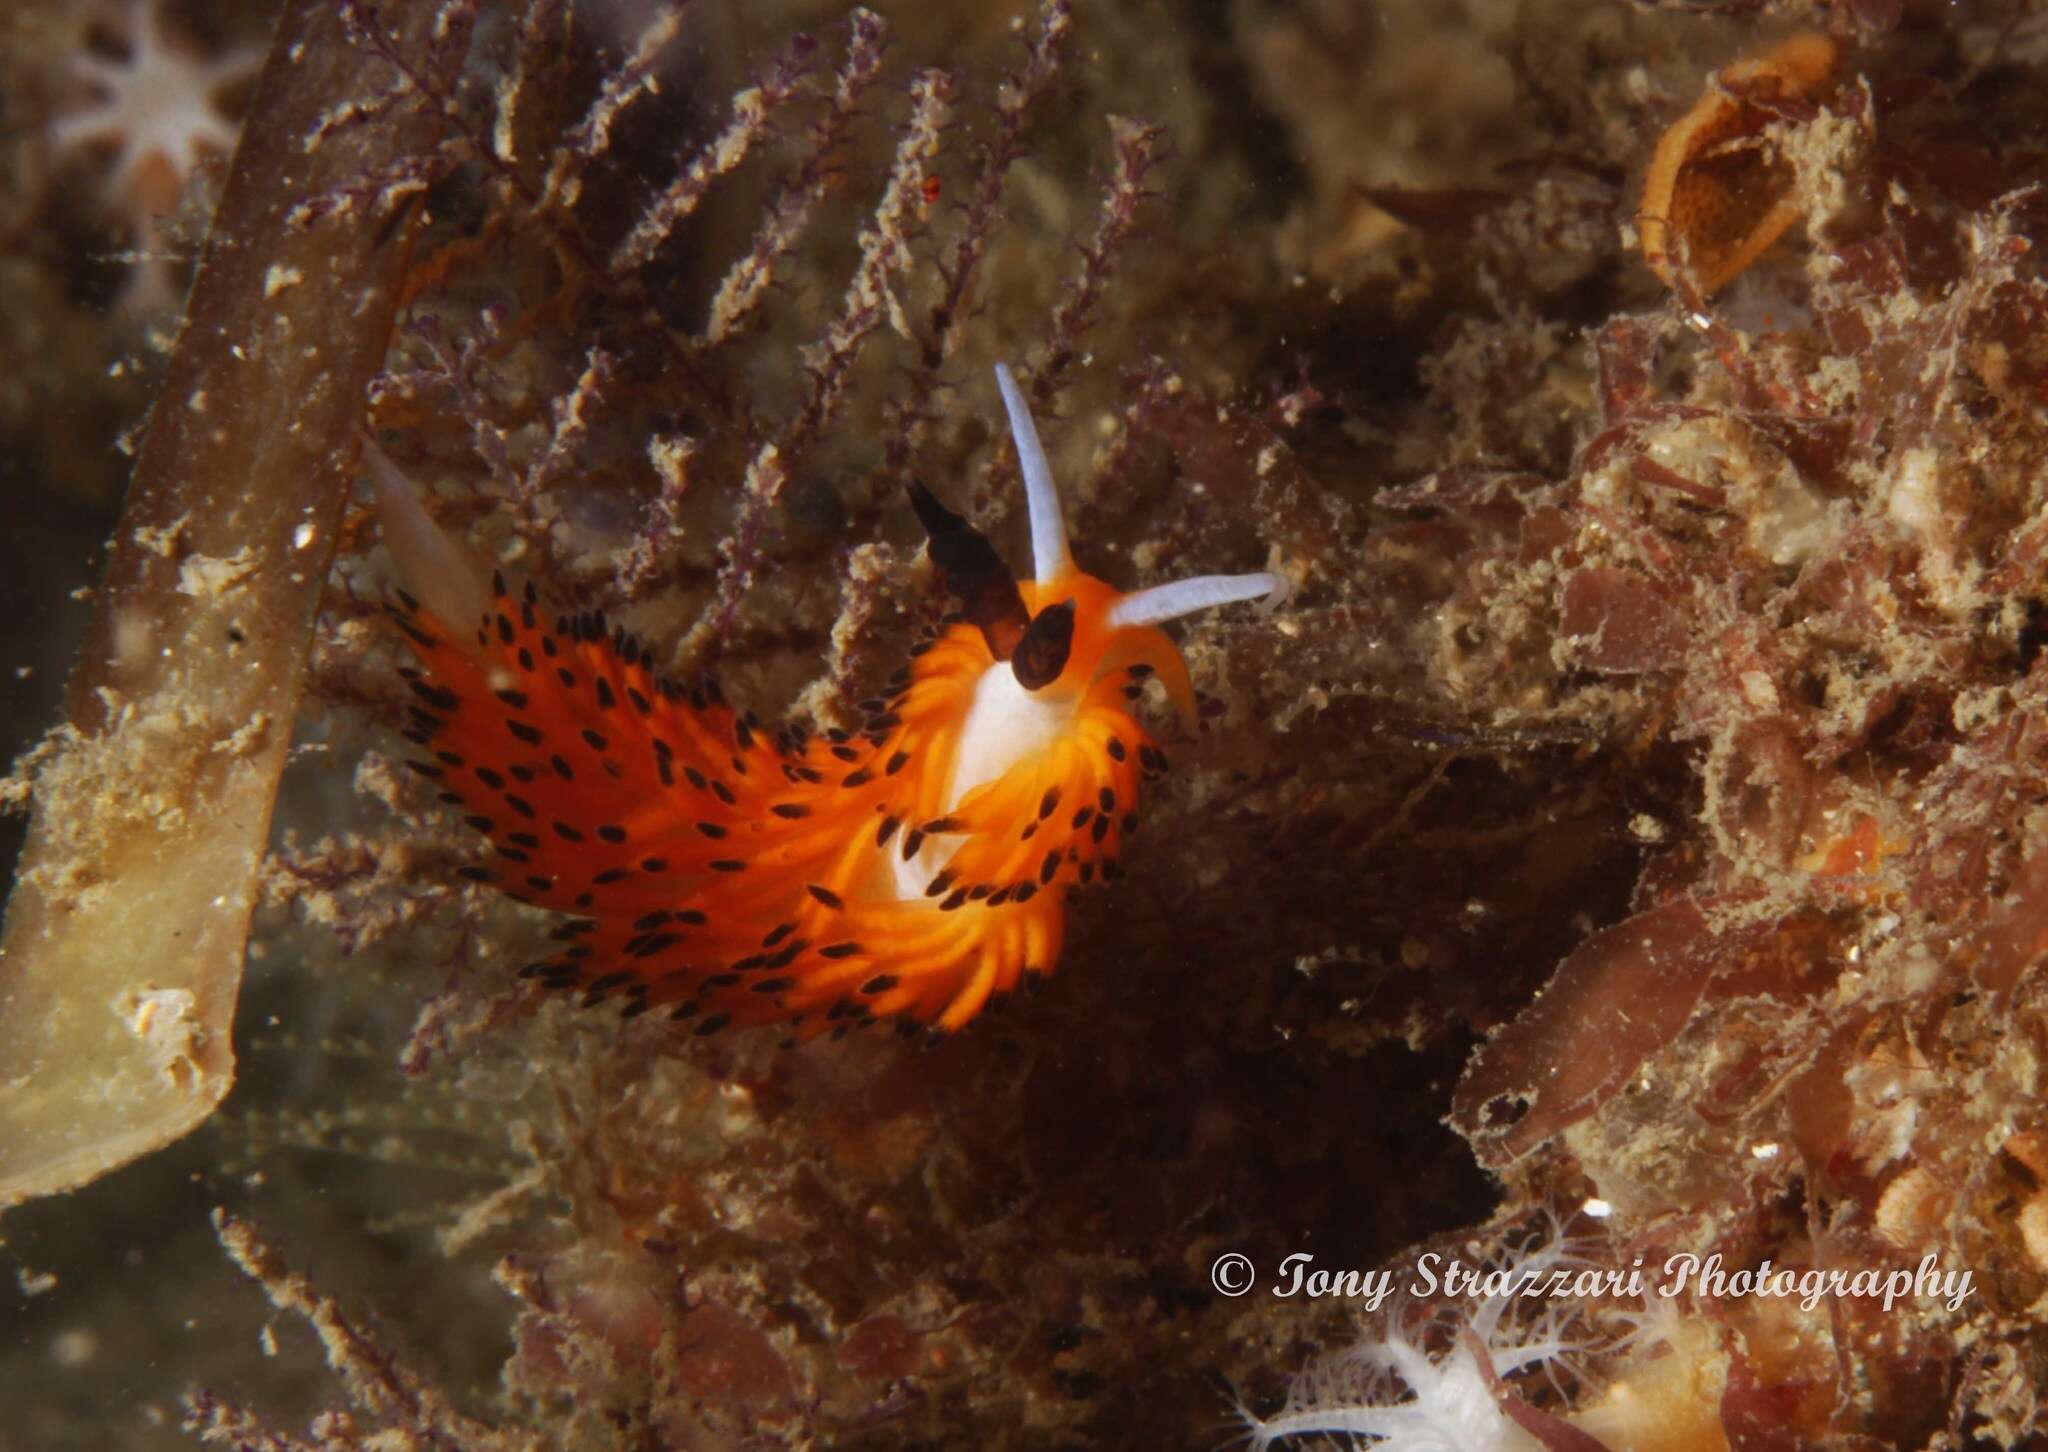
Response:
column 1203, row 592
column 1050, row 557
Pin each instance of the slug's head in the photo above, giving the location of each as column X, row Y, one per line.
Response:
column 1062, row 630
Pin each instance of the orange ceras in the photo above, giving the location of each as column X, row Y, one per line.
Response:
column 913, row 867
column 1716, row 195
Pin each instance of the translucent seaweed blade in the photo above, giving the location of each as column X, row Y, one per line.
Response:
column 1183, row 597
column 128, row 924
column 1049, row 555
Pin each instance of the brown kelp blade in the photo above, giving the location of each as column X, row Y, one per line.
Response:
column 128, row 921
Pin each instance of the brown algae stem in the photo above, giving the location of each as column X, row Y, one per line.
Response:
column 125, row 932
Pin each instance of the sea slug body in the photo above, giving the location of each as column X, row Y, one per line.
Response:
column 914, row 868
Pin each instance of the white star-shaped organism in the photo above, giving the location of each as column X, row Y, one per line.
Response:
column 157, row 106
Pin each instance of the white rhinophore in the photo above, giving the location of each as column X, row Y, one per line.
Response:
column 1051, row 558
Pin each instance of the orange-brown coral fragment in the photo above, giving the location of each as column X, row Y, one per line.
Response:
column 127, row 926
column 1716, row 196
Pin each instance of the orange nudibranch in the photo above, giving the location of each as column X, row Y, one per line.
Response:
column 914, row 867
